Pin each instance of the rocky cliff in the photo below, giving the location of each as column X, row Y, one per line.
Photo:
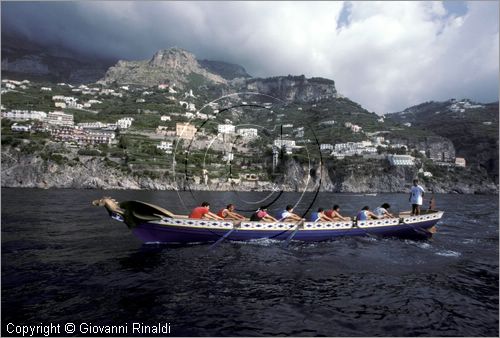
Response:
column 174, row 65
column 31, row 171
column 27, row 60
column 228, row 71
column 293, row 88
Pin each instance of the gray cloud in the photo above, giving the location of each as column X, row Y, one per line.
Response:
column 386, row 55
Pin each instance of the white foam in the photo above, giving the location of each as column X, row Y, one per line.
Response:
column 423, row 245
column 262, row 241
column 448, row 253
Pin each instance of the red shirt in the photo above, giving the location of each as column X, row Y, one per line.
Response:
column 222, row 213
column 329, row 213
column 198, row 212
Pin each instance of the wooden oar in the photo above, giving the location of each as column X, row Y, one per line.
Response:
column 289, row 238
column 226, row 235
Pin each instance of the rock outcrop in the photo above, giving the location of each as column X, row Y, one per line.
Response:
column 175, row 66
column 293, row 88
column 228, row 71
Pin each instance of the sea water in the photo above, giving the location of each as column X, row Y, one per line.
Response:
column 65, row 261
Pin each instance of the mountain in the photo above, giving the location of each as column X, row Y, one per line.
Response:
column 471, row 126
column 175, row 66
column 228, row 71
column 180, row 67
column 23, row 59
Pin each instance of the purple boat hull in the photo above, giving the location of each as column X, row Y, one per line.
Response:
column 150, row 232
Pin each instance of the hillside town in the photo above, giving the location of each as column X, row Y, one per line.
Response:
column 182, row 124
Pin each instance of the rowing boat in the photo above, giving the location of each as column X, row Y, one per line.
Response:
column 153, row 224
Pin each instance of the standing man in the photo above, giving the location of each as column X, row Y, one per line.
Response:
column 416, row 198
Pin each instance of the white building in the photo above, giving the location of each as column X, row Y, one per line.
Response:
column 163, row 86
column 355, row 128
column 286, row 143
column 460, row 162
column 91, row 125
column 165, row 146
column 10, row 85
column 226, row 129
column 107, row 91
column 189, row 94
column 21, row 128
column 354, row 148
column 248, row 132
column 165, row 118
column 125, row 123
column 100, row 136
column 202, row 116
column 401, row 160
column 59, row 118
column 46, row 89
column 378, row 140
column 61, row 105
column 23, row 115
column 326, row 146
column 328, row 123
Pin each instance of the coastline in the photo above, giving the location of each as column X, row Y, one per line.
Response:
column 31, row 171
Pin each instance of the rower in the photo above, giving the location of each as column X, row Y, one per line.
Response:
column 262, row 215
column 335, row 215
column 229, row 213
column 203, row 212
column 365, row 214
column 319, row 216
column 382, row 212
column 288, row 216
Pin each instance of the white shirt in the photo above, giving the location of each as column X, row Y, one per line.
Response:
column 416, row 195
column 285, row 214
column 380, row 212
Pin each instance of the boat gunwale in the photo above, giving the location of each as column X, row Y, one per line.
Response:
column 308, row 226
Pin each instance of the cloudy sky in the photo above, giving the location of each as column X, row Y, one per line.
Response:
column 385, row 55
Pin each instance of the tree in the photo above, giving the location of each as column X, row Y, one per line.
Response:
column 124, row 142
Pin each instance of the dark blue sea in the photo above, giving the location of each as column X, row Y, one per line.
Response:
column 65, row 261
